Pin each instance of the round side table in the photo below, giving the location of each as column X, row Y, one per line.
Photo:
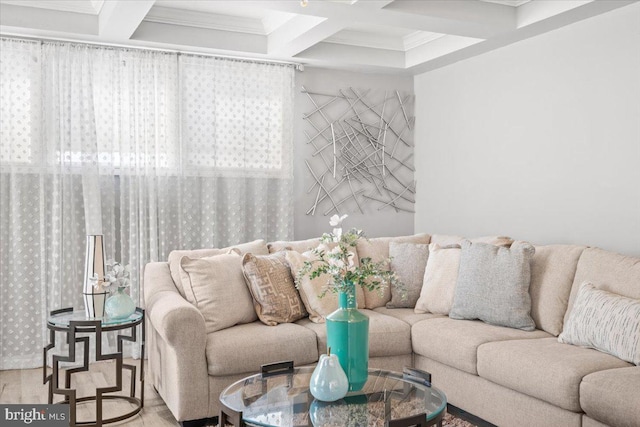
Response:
column 78, row 329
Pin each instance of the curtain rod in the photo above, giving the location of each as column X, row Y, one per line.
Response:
column 298, row 66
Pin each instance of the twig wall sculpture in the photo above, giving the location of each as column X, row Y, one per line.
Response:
column 362, row 156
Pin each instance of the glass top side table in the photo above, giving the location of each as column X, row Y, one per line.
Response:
column 284, row 400
column 77, row 326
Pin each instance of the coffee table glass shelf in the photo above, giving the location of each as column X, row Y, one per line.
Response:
column 284, row 400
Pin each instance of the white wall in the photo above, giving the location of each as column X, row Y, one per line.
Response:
column 375, row 223
column 539, row 140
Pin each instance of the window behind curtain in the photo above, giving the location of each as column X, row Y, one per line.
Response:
column 157, row 151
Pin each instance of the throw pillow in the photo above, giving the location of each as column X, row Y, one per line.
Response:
column 310, row 290
column 493, row 285
column 275, row 297
column 215, row 285
column 378, row 250
column 440, row 277
column 257, row 247
column 408, row 261
column 605, row 321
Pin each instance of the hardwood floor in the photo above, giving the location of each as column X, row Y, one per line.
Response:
column 25, row 386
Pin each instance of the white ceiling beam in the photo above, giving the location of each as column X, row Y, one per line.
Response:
column 200, row 37
column 304, row 31
column 368, row 15
column 437, row 48
column 532, row 12
column 300, row 33
column 354, row 56
column 499, row 16
column 119, row 19
column 60, row 22
column 584, row 11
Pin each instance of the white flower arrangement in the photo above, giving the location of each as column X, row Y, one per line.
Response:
column 116, row 276
column 338, row 262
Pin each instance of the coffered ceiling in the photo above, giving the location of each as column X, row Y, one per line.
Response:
column 401, row 36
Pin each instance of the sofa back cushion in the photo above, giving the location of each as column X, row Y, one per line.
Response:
column 215, row 285
column 609, row 271
column 377, row 249
column 552, row 271
column 493, row 285
column 275, row 296
column 447, row 240
column 257, row 247
column 296, row 245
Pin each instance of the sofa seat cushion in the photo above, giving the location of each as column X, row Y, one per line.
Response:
column 612, row 396
column 407, row 315
column 543, row 368
column 388, row 336
column 244, row 348
column 455, row 342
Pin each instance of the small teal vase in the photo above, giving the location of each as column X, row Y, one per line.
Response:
column 119, row 305
column 328, row 381
column 348, row 338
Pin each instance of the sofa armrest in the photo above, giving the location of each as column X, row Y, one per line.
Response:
column 177, row 341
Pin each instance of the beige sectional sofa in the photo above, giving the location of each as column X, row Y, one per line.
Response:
column 508, row 377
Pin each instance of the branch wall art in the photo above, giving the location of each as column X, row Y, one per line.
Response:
column 362, row 151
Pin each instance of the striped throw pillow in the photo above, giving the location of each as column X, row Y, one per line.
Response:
column 605, row 321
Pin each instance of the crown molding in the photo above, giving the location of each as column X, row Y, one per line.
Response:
column 91, row 7
column 419, row 38
column 512, row 3
column 212, row 21
column 364, row 39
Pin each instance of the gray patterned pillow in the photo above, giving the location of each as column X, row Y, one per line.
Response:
column 408, row 261
column 493, row 285
column 605, row 321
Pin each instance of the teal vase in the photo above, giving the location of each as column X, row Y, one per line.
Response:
column 119, row 305
column 348, row 338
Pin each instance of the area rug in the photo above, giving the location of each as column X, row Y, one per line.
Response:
column 449, row 421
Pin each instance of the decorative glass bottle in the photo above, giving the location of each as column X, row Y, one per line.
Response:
column 348, row 337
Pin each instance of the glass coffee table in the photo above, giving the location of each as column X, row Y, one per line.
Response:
column 284, row 400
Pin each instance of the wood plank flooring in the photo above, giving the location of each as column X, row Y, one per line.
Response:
column 25, row 386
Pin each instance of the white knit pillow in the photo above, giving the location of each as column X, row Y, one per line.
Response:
column 605, row 321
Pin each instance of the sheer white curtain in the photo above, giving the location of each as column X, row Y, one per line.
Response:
column 156, row 151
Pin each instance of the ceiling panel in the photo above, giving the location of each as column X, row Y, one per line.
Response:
column 399, row 36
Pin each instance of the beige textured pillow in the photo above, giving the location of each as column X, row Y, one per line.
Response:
column 215, row 285
column 605, row 321
column 378, row 250
column 257, row 247
column 318, row 308
column 408, row 261
column 275, row 297
column 440, row 277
